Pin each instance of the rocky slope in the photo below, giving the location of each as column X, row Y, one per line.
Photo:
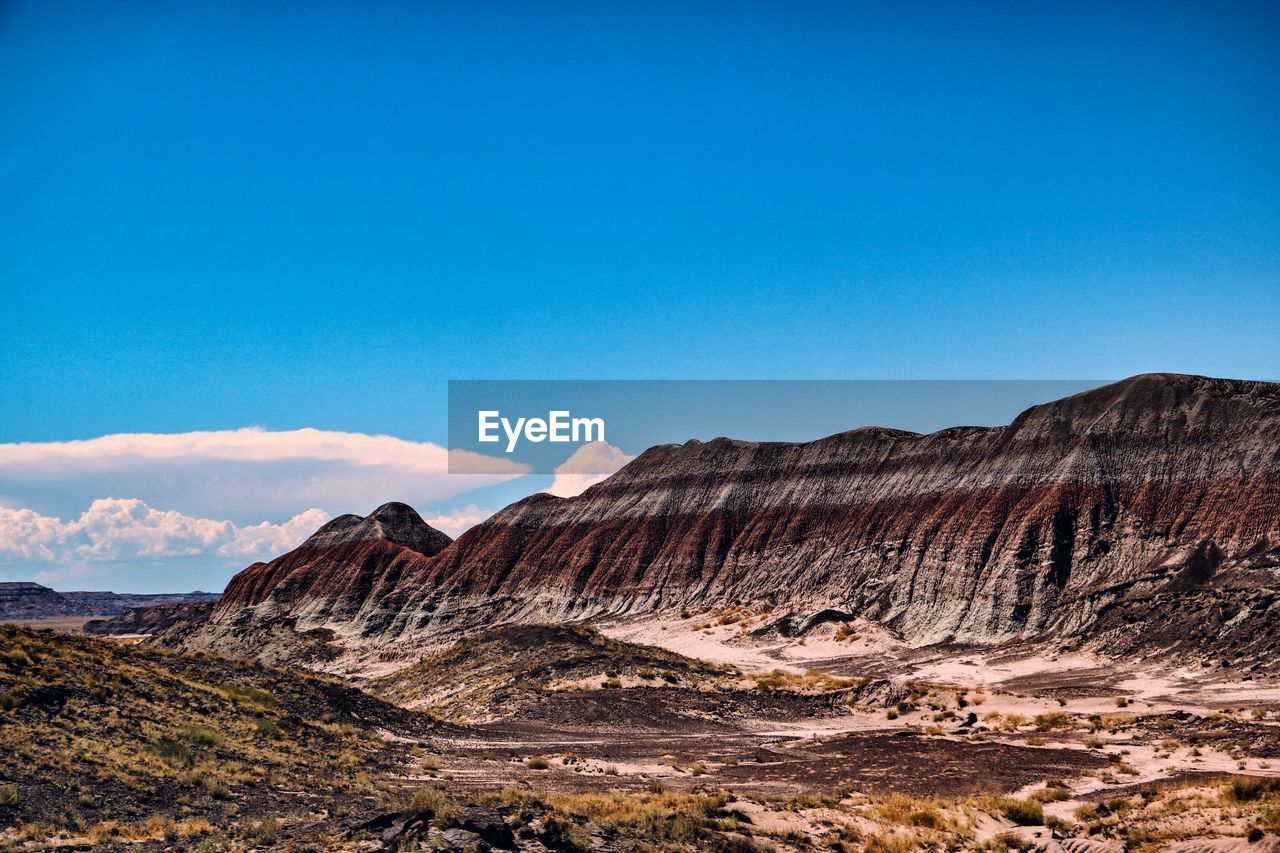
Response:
column 339, row 568
column 120, row 747
column 509, row 670
column 150, row 620
column 1071, row 521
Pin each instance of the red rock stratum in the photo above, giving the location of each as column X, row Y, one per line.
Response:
column 1145, row 511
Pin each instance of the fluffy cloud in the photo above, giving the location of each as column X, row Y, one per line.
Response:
column 199, row 499
column 114, row 529
column 243, row 475
column 589, row 464
column 460, row 520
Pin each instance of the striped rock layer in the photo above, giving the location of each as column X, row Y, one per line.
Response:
column 1144, row 510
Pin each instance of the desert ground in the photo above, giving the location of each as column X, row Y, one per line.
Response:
column 70, row 624
column 672, row 733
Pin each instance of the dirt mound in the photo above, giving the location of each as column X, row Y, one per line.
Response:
column 509, row 670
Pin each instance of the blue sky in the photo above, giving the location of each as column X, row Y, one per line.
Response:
column 230, row 214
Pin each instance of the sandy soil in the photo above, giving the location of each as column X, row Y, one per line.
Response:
column 65, row 624
column 1006, row 685
column 1087, row 682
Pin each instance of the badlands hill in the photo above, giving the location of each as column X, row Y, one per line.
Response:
column 1143, row 513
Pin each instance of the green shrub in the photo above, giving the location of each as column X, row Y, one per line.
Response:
column 249, row 694
column 430, row 801
column 1053, row 720
column 925, row 818
column 1052, row 794
column 1024, row 812
column 1246, row 789
column 266, row 727
column 201, row 736
column 171, row 751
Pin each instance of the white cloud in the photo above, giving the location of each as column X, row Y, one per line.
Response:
column 247, row 444
column 114, row 529
column 268, row 540
column 459, row 520
column 214, row 501
column 28, row 535
column 590, row 464
column 243, row 475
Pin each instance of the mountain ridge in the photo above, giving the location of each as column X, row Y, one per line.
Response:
column 969, row 534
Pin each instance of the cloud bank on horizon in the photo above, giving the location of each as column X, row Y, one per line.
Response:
column 211, row 501
column 127, row 528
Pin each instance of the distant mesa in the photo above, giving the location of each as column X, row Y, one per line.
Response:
column 26, row 600
column 151, row 619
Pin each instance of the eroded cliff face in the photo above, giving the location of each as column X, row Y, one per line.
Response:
column 341, row 568
column 1155, row 489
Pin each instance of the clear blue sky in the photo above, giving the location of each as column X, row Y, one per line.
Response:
column 228, row 213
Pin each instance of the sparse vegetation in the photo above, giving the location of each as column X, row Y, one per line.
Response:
column 1247, row 789
column 1023, row 812
column 810, row 681
column 99, row 734
column 652, row 818
column 431, row 802
column 245, row 756
column 1053, row 721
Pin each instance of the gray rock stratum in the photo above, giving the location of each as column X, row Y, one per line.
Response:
column 1145, row 512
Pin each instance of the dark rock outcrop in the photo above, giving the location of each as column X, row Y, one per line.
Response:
column 150, row 620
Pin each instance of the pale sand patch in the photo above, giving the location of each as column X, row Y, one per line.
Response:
column 1149, row 685
column 677, row 635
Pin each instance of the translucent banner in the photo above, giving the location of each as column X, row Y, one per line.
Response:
column 592, row 426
